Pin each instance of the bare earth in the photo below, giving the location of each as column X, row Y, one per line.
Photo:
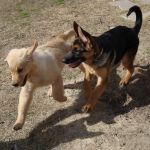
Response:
column 121, row 117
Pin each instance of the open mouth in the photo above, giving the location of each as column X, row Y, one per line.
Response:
column 76, row 63
column 24, row 81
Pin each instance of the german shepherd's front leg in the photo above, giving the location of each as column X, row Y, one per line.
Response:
column 25, row 98
column 98, row 90
column 87, row 84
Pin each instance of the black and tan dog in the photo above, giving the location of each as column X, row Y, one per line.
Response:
column 101, row 54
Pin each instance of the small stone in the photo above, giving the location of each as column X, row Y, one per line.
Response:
column 123, row 4
column 145, row 1
column 75, row 95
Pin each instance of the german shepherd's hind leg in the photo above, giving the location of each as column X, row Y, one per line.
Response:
column 57, row 90
column 127, row 63
column 87, row 85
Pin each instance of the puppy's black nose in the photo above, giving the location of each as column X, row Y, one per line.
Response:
column 15, row 84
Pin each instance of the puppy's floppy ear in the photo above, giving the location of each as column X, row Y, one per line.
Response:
column 32, row 49
column 75, row 27
column 86, row 37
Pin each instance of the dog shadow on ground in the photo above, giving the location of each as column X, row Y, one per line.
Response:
column 113, row 102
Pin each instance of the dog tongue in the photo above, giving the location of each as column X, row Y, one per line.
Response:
column 74, row 64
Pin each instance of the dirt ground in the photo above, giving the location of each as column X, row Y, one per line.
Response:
column 121, row 117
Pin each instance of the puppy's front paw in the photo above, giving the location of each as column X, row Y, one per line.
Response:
column 64, row 99
column 86, row 108
column 49, row 93
column 18, row 126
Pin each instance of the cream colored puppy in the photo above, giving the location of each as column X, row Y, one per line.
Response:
column 38, row 66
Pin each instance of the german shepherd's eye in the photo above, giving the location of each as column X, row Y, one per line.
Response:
column 77, row 52
column 20, row 70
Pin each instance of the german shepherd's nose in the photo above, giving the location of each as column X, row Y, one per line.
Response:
column 15, row 84
column 63, row 60
column 68, row 58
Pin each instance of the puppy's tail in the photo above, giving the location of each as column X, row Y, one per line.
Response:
column 67, row 35
column 138, row 21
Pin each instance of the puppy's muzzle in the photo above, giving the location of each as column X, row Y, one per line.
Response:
column 15, row 84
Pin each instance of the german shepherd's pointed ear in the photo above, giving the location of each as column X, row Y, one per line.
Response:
column 75, row 27
column 86, row 37
column 32, row 49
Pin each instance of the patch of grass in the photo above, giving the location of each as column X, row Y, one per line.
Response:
column 26, row 24
column 75, row 69
column 28, row 113
column 24, row 14
column 11, row 117
column 22, row 35
column 60, row 2
column 118, row 70
column 33, row 9
column 147, row 51
column 19, row 8
column 66, row 20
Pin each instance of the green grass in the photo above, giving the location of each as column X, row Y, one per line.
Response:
column 60, row 1
column 118, row 70
column 75, row 69
column 19, row 8
column 33, row 9
column 147, row 51
column 11, row 116
column 24, row 14
column 22, row 35
column 66, row 20
column 26, row 24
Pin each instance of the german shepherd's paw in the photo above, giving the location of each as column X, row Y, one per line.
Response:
column 87, row 108
column 124, row 82
column 18, row 126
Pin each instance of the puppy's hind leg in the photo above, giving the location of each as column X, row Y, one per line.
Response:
column 25, row 98
column 58, row 90
column 66, row 35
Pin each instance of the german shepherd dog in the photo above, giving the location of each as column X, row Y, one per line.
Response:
column 100, row 55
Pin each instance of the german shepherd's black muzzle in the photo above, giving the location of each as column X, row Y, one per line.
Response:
column 72, row 60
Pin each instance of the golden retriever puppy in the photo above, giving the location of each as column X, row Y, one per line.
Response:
column 38, row 66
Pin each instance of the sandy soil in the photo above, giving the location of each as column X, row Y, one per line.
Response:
column 121, row 117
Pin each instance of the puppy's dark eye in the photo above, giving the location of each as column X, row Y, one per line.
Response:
column 20, row 70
